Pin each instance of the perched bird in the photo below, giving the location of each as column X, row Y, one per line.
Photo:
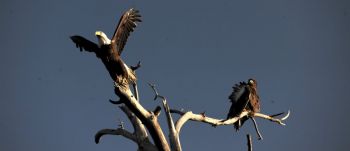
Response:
column 244, row 97
column 109, row 50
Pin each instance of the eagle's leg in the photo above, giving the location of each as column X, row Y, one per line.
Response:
column 136, row 92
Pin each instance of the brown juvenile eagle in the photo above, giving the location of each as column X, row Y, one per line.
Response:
column 244, row 97
column 109, row 50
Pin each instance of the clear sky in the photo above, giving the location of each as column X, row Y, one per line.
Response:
column 53, row 97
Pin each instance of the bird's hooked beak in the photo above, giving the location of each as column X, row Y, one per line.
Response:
column 99, row 33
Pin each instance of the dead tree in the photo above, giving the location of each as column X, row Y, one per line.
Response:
column 145, row 121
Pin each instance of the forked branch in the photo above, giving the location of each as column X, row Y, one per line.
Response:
column 185, row 116
column 173, row 134
column 139, row 136
column 146, row 117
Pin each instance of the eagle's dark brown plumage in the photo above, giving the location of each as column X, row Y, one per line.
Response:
column 109, row 51
column 243, row 97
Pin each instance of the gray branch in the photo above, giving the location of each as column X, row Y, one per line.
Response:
column 173, row 135
column 118, row 131
column 249, row 143
column 146, row 117
column 256, row 128
column 185, row 116
column 139, row 128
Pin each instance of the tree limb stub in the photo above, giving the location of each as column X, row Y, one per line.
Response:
column 249, row 143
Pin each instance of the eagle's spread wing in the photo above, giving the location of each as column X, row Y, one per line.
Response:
column 83, row 43
column 239, row 98
column 126, row 25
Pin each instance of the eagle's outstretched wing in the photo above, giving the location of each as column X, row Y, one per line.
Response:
column 126, row 25
column 83, row 43
column 239, row 98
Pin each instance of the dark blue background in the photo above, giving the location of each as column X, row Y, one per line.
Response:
column 53, row 97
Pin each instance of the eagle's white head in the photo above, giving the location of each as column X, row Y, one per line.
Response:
column 102, row 38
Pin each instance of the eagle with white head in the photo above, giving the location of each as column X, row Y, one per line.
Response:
column 109, row 50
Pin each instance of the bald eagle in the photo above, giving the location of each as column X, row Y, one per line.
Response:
column 109, row 50
column 244, row 97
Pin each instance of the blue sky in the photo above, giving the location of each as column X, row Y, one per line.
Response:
column 54, row 97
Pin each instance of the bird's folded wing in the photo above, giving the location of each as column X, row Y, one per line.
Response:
column 239, row 98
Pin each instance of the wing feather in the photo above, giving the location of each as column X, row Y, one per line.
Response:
column 83, row 43
column 126, row 25
column 239, row 98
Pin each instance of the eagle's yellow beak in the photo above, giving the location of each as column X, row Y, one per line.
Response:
column 98, row 33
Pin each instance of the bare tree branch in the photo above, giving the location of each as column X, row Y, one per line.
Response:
column 134, row 68
column 118, row 131
column 115, row 102
column 173, row 135
column 157, row 111
column 278, row 114
column 185, row 116
column 200, row 118
column 286, row 116
column 147, row 117
column 140, row 131
column 134, row 85
column 272, row 119
column 156, row 94
column 139, row 128
column 147, row 146
column 249, row 143
column 256, row 128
